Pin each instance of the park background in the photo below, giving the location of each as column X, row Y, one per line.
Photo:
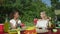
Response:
column 29, row 9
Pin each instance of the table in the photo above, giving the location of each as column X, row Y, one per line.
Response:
column 49, row 32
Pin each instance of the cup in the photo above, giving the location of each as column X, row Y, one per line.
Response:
column 54, row 30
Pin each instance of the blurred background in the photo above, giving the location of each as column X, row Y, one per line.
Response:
column 30, row 9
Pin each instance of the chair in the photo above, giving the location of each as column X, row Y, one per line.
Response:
column 22, row 24
column 1, row 28
column 35, row 21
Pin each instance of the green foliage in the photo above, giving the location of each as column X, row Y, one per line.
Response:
column 55, row 4
column 28, row 9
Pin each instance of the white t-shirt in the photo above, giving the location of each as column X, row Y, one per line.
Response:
column 42, row 23
column 12, row 21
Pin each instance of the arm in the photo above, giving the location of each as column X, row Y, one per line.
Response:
column 12, row 26
column 37, row 25
column 19, row 22
column 49, row 24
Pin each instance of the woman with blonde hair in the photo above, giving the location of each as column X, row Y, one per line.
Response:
column 42, row 24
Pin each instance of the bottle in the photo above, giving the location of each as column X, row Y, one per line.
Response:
column 6, row 25
column 53, row 26
column 49, row 24
column 18, row 31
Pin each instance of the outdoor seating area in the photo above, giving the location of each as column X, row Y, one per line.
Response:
column 31, row 30
column 29, row 16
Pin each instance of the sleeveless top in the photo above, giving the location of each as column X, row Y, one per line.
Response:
column 42, row 23
column 12, row 21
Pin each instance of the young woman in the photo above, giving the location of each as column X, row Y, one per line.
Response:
column 43, row 22
column 15, row 22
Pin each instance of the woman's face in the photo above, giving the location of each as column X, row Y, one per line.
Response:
column 16, row 15
column 42, row 14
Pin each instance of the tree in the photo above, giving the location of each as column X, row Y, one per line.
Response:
column 54, row 3
column 32, row 9
column 28, row 9
column 58, row 5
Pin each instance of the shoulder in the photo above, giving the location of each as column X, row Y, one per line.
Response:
column 19, row 21
column 12, row 20
column 39, row 19
column 47, row 19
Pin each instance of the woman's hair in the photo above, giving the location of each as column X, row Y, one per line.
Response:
column 46, row 15
column 12, row 13
column 43, row 12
